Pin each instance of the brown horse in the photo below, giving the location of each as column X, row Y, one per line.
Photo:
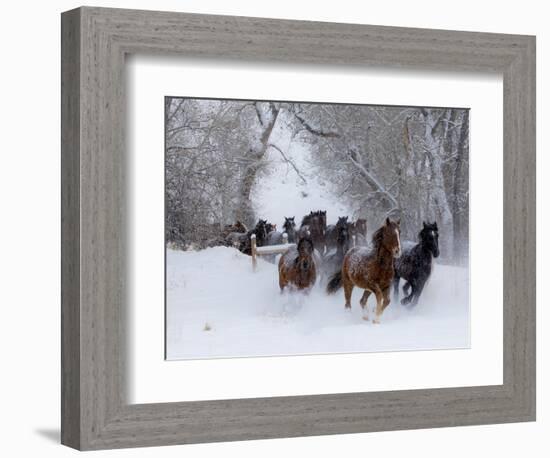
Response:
column 297, row 267
column 371, row 269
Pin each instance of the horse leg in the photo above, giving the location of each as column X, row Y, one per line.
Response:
column 406, row 287
column 417, row 292
column 348, row 288
column 386, row 294
column 364, row 298
column 282, row 282
column 396, row 287
column 379, row 305
column 363, row 303
column 408, row 297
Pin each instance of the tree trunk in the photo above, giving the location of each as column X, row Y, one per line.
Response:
column 255, row 157
column 460, row 191
column 434, row 149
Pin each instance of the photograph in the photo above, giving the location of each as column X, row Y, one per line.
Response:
column 296, row 228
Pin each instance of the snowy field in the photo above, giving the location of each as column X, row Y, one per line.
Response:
column 218, row 307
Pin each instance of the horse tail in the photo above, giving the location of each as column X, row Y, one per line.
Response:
column 335, row 283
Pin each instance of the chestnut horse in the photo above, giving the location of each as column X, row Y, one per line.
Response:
column 297, row 267
column 371, row 269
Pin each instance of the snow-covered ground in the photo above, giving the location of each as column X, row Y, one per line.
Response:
column 218, row 307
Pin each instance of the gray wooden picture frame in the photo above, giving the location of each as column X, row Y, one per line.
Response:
column 95, row 411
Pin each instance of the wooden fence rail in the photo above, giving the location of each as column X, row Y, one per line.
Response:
column 269, row 249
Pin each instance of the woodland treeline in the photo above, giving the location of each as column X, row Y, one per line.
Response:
column 406, row 162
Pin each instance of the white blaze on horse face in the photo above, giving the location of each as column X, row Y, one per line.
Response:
column 398, row 250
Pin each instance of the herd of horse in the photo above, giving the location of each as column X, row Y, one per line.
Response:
column 340, row 255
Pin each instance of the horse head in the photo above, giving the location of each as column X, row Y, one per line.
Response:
column 319, row 222
column 429, row 237
column 389, row 236
column 305, row 246
column 305, row 250
column 261, row 229
column 289, row 225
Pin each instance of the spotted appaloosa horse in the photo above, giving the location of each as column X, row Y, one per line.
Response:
column 297, row 267
column 415, row 266
column 370, row 269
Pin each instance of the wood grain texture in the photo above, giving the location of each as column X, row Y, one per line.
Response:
column 70, row 229
column 95, row 410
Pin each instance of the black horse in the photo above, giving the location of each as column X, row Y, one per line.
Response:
column 260, row 231
column 332, row 261
column 415, row 264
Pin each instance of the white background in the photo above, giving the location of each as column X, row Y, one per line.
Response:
column 156, row 380
column 29, row 186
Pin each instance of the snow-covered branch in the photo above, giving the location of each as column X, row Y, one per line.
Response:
column 314, row 130
column 354, row 157
column 289, row 161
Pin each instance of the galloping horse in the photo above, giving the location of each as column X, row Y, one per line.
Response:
column 316, row 225
column 297, row 267
column 415, row 266
column 371, row 269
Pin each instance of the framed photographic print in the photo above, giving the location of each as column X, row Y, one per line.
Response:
column 335, row 220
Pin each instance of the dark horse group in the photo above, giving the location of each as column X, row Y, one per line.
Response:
column 341, row 254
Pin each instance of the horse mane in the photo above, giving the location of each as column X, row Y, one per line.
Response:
column 307, row 218
column 377, row 238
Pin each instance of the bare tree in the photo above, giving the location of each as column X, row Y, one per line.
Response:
column 399, row 161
